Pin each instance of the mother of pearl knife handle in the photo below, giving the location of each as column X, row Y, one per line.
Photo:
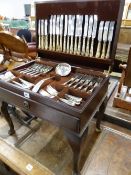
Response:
column 50, row 47
column 46, row 42
column 57, row 43
column 64, row 44
column 103, row 50
column 87, row 47
column 108, row 50
column 83, row 46
column 68, row 44
column 98, row 52
column 53, row 43
column 75, row 45
column 92, row 46
column 60, row 46
column 79, row 46
column 71, row 45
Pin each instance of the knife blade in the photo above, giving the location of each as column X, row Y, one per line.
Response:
column 110, row 37
column 46, row 35
column 76, row 33
column 72, row 32
column 105, row 34
column 89, row 35
column 93, row 35
column 61, row 31
column 54, row 31
column 65, row 34
column 84, row 34
column 51, row 32
column 42, row 34
column 57, row 31
column 69, row 33
column 80, row 34
column 39, row 33
column 98, row 52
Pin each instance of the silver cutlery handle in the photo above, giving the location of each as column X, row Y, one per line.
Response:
column 108, row 50
column 103, row 50
column 50, row 47
column 57, row 43
column 68, row 44
column 53, row 42
column 75, row 46
column 42, row 42
column 79, row 46
column 71, row 45
column 64, row 44
column 39, row 42
column 46, row 42
column 60, row 48
column 92, row 46
column 83, row 46
column 98, row 52
column 87, row 47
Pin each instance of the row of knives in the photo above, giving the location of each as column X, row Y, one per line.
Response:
column 76, row 34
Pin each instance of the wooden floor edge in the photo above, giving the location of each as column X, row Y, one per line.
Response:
column 20, row 162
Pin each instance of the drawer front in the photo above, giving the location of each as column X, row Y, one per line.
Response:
column 40, row 110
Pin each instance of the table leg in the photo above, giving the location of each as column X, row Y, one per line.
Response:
column 4, row 110
column 76, row 142
column 100, row 115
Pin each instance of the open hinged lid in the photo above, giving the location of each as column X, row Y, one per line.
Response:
column 80, row 32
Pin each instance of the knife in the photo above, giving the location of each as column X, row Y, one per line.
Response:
column 89, row 35
column 105, row 34
column 39, row 33
column 85, row 34
column 98, row 52
column 69, row 31
column 72, row 32
column 54, row 31
column 51, row 32
column 57, row 32
column 42, row 34
column 65, row 34
column 110, row 36
column 46, row 35
column 78, row 33
column 61, row 31
column 93, row 35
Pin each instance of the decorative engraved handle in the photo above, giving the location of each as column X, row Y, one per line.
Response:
column 50, row 47
column 64, row 44
column 46, row 42
column 75, row 46
column 43, row 42
column 60, row 46
column 98, row 52
column 79, row 46
column 92, row 47
column 83, row 46
column 57, row 44
column 68, row 44
column 53, row 42
column 39, row 42
column 71, row 45
column 87, row 47
column 103, row 50
column 108, row 50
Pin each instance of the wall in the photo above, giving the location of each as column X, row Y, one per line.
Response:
column 14, row 8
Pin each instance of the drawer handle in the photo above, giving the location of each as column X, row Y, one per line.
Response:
column 26, row 105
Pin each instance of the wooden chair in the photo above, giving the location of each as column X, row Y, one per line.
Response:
column 123, row 96
column 13, row 47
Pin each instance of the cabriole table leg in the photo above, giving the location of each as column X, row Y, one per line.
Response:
column 4, row 110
